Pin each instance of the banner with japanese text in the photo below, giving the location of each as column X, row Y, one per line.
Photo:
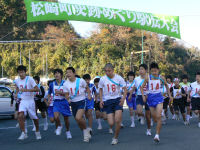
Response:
column 48, row 11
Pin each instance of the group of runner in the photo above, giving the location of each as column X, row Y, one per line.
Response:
column 107, row 94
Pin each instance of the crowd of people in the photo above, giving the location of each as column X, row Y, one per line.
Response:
column 149, row 96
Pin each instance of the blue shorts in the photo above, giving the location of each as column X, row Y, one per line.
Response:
column 132, row 102
column 89, row 104
column 139, row 101
column 78, row 105
column 112, row 105
column 154, row 99
column 50, row 112
column 62, row 106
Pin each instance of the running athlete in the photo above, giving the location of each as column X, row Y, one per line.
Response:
column 139, row 100
column 75, row 92
column 40, row 104
column 98, row 110
column 25, row 88
column 178, row 102
column 186, row 85
column 109, row 86
column 154, row 97
column 60, row 104
column 89, row 103
column 194, row 96
column 130, row 99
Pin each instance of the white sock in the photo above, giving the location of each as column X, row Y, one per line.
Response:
column 157, row 135
column 99, row 121
column 45, row 120
column 85, row 131
column 132, row 119
column 188, row 117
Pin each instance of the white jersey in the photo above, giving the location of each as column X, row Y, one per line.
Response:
column 195, row 89
column 51, row 98
column 165, row 94
column 27, row 83
column 138, row 83
column 129, row 86
column 177, row 93
column 185, row 86
column 70, row 87
column 111, row 90
column 154, row 86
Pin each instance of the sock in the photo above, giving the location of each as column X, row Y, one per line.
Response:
column 132, row 119
column 45, row 120
column 99, row 121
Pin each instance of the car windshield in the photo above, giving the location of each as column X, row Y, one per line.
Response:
column 4, row 93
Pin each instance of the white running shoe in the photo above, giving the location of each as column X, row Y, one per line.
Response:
column 114, row 141
column 45, row 126
column 99, row 127
column 110, row 131
column 38, row 136
column 86, row 135
column 23, row 136
column 156, row 139
column 148, row 133
column 132, row 125
column 142, row 121
column 59, row 130
column 173, row 117
column 122, row 125
column 68, row 134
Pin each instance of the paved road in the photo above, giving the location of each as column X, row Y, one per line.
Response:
column 174, row 136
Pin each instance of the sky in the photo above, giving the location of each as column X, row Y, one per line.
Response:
column 187, row 10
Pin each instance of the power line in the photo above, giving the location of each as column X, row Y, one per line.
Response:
column 12, row 31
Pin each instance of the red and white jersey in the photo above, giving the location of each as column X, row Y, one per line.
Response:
column 155, row 86
column 111, row 90
column 27, row 84
column 70, row 87
column 195, row 89
column 138, row 83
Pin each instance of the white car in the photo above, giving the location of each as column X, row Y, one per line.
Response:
column 5, row 102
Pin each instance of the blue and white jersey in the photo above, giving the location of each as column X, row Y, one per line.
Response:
column 53, row 87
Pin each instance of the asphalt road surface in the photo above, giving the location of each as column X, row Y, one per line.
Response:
column 174, row 136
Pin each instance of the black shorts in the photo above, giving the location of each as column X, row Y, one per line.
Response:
column 195, row 103
column 179, row 104
column 186, row 102
column 40, row 105
column 97, row 106
column 16, row 106
column 166, row 103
